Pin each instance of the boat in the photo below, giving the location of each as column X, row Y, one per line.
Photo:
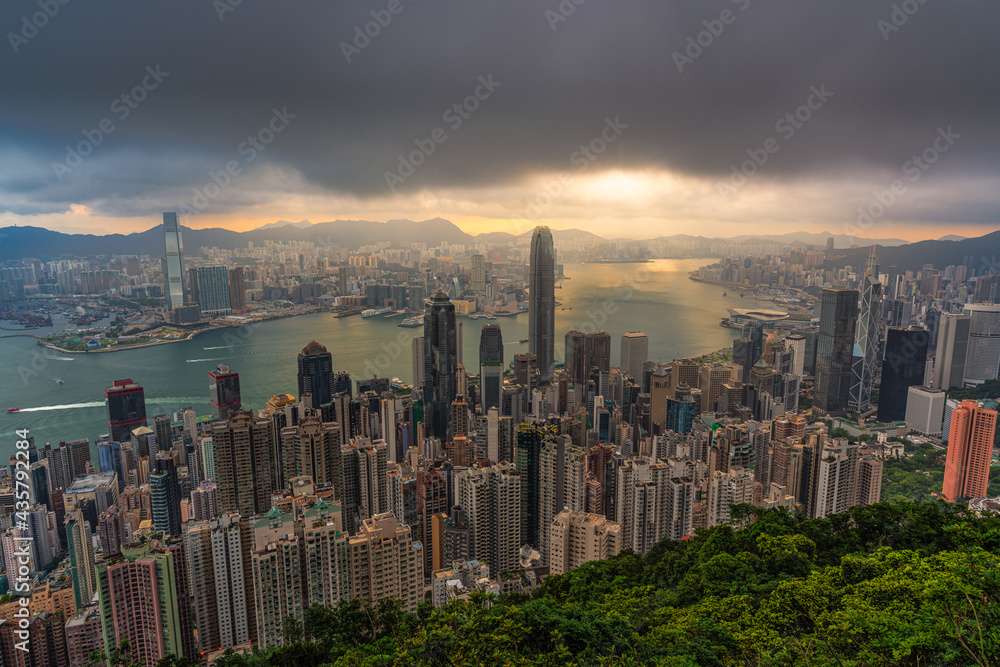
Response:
column 411, row 322
column 59, row 381
column 372, row 312
column 490, row 316
column 13, row 409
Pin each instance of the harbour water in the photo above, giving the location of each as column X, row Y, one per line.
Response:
column 680, row 316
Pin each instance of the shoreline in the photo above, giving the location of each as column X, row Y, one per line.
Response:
column 194, row 334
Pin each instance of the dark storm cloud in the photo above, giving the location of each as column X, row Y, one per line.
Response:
column 559, row 80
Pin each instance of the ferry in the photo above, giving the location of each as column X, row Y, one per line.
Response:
column 372, row 312
column 13, row 409
column 411, row 322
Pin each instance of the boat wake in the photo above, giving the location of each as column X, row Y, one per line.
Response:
column 67, row 406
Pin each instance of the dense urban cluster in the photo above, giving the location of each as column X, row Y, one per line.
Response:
column 272, row 527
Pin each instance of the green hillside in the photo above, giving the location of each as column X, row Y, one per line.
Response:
column 888, row 584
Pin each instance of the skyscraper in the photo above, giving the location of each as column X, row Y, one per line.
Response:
column 748, row 348
column 575, row 356
column 440, row 365
column 542, row 300
column 213, row 290
column 597, row 347
column 634, row 351
column 315, row 374
column 866, row 341
column 952, row 347
column 165, row 496
column 479, row 278
column 902, row 368
column 144, row 599
column 237, row 288
column 218, row 563
column 490, row 366
column 174, row 264
column 224, row 391
column 243, row 467
column 834, row 356
column 982, row 360
column 491, row 500
column 126, row 403
column 970, row 446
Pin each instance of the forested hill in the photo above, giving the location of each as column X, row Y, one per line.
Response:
column 888, row 584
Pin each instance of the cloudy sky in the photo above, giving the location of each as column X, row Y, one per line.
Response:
column 627, row 117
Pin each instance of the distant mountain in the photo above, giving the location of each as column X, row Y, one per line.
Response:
column 952, row 237
column 19, row 242
column 302, row 224
column 44, row 243
column 985, row 251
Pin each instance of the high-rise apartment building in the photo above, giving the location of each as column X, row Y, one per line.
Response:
column 81, row 558
column 562, row 481
column 144, row 599
column 173, row 276
column 834, row 356
column 579, row 537
column 385, row 562
column 219, row 567
column 634, row 352
column 491, row 367
column 491, row 500
column 126, row 402
column 313, row 448
column 440, row 365
column 542, row 300
column 300, row 560
column 970, row 447
column 244, row 470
